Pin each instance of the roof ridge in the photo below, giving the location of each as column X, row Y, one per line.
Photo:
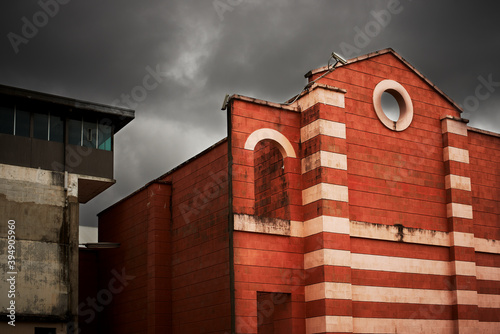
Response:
column 404, row 61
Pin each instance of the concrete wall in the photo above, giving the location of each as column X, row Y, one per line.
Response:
column 28, row 328
column 46, row 231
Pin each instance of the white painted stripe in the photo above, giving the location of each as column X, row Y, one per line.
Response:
column 296, row 229
column 465, row 297
column 333, row 160
column 323, row 127
column 423, row 326
column 413, row 326
column 390, row 233
column 462, row 239
column 250, row 223
column 310, row 162
column 327, row 257
column 402, row 295
column 457, row 182
column 329, row 324
column 326, row 224
column 408, row 265
column 459, row 210
column 453, row 126
column 319, row 93
column 455, row 154
column 324, row 159
column 488, row 301
column 488, row 273
column 328, row 191
column 487, row 245
column 487, row 327
column 424, row 237
column 400, row 264
column 463, row 268
column 328, row 290
column 335, row 257
column 284, row 146
column 468, row 326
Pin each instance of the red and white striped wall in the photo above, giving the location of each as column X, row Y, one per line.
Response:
column 327, row 258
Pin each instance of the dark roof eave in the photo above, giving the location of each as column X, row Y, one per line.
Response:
column 122, row 116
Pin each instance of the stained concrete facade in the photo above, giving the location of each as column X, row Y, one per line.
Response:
column 46, row 217
column 39, row 205
column 320, row 215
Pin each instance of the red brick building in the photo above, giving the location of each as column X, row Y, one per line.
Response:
column 321, row 215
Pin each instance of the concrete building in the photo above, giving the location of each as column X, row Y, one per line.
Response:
column 320, row 215
column 55, row 153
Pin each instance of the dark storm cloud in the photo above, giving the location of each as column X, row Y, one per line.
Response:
column 101, row 51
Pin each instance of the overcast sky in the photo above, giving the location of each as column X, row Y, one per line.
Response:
column 102, row 50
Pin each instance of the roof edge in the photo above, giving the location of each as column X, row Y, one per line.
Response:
column 160, row 178
column 484, row 132
column 263, row 102
column 397, row 55
column 352, row 60
column 67, row 101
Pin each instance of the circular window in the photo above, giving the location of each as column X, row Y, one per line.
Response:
column 393, row 105
column 390, row 106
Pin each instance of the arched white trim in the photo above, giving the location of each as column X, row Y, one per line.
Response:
column 284, row 144
column 404, row 101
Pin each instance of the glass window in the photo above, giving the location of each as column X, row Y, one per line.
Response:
column 22, row 123
column 7, row 120
column 90, row 134
column 41, row 126
column 105, row 137
column 74, row 132
column 56, row 129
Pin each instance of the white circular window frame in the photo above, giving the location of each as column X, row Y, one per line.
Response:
column 404, row 101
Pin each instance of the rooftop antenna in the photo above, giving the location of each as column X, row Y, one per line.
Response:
column 224, row 104
column 337, row 58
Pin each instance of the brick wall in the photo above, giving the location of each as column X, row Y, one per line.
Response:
column 267, row 186
column 174, row 241
column 271, row 198
column 484, row 155
column 388, row 241
column 340, row 223
column 200, row 241
column 247, row 117
column 127, row 223
column 394, row 177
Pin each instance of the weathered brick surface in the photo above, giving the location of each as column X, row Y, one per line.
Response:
column 420, row 256
column 173, row 236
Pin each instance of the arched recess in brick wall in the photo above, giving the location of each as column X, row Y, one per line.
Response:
column 270, row 182
column 282, row 142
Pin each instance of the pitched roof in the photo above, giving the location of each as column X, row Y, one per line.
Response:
column 397, row 55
